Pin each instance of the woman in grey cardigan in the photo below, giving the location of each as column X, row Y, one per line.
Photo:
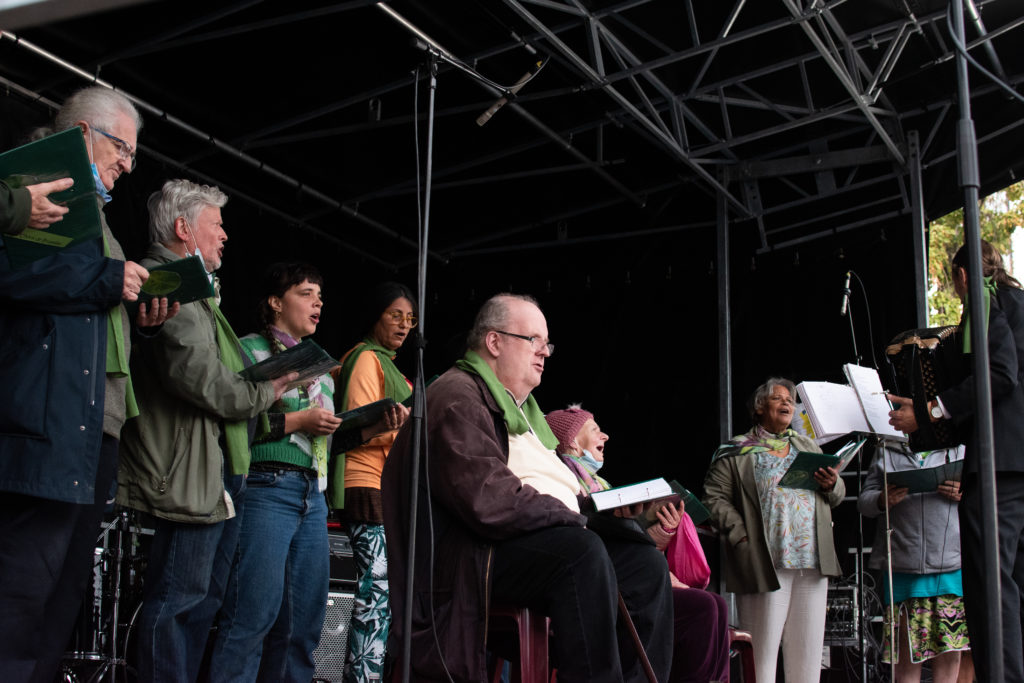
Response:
column 778, row 541
column 926, row 584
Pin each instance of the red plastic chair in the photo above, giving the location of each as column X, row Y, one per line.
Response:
column 531, row 627
column 742, row 644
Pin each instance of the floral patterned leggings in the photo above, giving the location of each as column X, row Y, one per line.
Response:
column 371, row 613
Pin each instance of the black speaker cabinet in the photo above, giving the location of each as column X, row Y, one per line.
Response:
column 343, row 568
column 330, row 653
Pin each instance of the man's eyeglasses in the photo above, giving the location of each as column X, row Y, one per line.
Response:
column 124, row 150
column 537, row 343
column 398, row 317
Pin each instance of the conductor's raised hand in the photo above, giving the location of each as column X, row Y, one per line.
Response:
column 902, row 415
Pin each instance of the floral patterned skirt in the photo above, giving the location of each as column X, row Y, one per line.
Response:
column 936, row 625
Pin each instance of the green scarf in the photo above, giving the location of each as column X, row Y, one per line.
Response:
column 395, row 388
column 236, row 432
column 988, row 285
column 117, row 358
column 518, row 421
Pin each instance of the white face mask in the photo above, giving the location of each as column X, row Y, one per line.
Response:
column 198, row 253
column 588, row 458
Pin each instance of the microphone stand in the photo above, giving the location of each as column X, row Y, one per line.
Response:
column 419, row 417
column 419, row 408
column 893, row 645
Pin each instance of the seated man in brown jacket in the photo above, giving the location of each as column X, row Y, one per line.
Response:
column 506, row 523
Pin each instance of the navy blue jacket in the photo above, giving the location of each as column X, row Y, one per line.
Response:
column 53, row 337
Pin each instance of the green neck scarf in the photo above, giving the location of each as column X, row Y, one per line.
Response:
column 518, row 421
column 236, row 433
column 395, row 386
column 988, row 290
column 117, row 356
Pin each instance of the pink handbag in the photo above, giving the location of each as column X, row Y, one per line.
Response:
column 685, row 556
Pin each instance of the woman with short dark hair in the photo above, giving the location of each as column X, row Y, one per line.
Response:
column 778, row 541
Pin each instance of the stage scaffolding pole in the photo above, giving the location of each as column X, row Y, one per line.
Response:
column 985, row 457
column 920, row 245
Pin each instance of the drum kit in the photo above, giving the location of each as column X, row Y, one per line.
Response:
column 102, row 644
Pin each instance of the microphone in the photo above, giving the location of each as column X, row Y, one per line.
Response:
column 846, row 295
column 503, row 100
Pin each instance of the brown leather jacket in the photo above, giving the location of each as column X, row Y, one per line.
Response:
column 474, row 502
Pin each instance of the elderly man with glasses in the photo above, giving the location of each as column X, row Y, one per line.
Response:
column 64, row 345
column 502, row 523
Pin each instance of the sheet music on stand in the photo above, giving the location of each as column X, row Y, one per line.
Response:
column 868, row 386
column 833, row 410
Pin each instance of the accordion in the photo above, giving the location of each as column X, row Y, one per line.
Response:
column 923, row 363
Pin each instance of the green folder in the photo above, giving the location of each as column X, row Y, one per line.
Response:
column 184, row 281
column 57, row 156
column 927, row 480
column 800, row 474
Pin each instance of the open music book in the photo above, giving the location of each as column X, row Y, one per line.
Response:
column 833, row 410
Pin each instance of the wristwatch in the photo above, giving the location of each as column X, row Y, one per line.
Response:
column 934, row 410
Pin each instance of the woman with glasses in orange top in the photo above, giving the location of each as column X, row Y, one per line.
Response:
column 368, row 374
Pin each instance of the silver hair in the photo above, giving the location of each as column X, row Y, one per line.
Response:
column 760, row 398
column 98, row 106
column 493, row 315
column 179, row 199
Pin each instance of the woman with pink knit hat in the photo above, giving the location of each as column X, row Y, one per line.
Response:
column 701, row 634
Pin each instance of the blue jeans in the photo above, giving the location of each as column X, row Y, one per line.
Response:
column 277, row 596
column 185, row 581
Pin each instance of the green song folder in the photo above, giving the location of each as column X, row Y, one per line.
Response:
column 57, row 156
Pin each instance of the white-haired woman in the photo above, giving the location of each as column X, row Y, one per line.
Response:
column 778, row 541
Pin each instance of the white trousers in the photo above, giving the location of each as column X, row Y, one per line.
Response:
column 793, row 615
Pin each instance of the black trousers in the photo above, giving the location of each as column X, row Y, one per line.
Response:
column 573, row 576
column 46, row 556
column 1010, row 502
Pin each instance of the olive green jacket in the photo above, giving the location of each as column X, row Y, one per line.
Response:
column 730, row 494
column 171, row 458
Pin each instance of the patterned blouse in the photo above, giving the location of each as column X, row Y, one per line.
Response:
column 788, row 514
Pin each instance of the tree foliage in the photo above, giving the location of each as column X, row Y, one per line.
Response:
column 1000, row 214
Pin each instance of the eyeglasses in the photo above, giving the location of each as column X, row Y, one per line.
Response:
column 397, row 317
column 124, row 150
column 537, row 343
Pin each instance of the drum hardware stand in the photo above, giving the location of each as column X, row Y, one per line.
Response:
column 113, row 559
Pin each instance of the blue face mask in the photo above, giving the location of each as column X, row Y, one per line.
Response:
column 101, row 190
column 588, row 458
